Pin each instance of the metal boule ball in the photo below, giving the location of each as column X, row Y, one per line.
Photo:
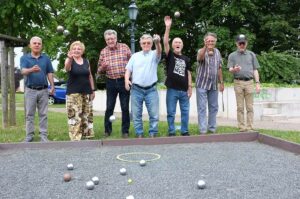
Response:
column 130, row 197
column 123, row 171
column 210, row 52
column 90, row 185
column 142, row 163
column 60, row 29
column 70, row 167
column 67, row 177
column 201, row 184
column 95, row 180
column 177, row 14
column 155, row 38
column 112, row 118
column 66, row 32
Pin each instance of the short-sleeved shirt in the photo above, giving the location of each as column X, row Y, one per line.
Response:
column 117, row 58
column 247, row 60
column 177, row 71
column 39, row 78
column 207, row 71
column 79, row 81
column 143, row 66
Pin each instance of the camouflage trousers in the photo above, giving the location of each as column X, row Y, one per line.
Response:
column 80, row 116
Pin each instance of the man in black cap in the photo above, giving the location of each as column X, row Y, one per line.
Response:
column 243, row 64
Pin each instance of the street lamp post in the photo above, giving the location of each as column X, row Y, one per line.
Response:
column 132, row 12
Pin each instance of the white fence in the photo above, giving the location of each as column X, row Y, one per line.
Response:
column 270, row 104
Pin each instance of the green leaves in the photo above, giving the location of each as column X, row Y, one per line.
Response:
column 279, row 67
column 269, row 24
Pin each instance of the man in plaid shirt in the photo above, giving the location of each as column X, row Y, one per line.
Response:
column 112, row 61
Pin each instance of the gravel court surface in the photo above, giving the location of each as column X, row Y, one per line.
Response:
column 230, row 170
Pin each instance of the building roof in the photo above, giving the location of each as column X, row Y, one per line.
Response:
column 13, row 41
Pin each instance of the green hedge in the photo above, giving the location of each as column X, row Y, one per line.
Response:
column 279, row 68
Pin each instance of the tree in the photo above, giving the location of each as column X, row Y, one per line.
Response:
column 269, row 24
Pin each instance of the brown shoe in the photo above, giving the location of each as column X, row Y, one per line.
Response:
column 125, row 135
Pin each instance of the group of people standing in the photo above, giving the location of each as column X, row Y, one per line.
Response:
column 135, row 76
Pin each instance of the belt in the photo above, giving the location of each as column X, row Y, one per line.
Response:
column 243, row 78
column 37, row 87
column 145, row 87
column 116, row 80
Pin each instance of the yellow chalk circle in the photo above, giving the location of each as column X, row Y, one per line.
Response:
column 124, row 157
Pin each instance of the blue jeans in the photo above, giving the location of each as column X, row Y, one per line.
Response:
column 205, row 97
column 113, row 88
column 150, row 96
column 173, row 96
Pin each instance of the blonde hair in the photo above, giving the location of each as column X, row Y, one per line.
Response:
column 77, row 43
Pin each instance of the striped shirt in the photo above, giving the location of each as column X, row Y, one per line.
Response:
column 116, row 59
column 207, row 71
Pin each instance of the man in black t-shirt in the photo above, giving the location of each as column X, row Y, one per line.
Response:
column 178, row 82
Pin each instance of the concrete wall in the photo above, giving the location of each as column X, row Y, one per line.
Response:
column 284, row 101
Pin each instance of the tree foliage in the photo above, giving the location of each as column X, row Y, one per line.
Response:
column 279, row 68
column 269, row 24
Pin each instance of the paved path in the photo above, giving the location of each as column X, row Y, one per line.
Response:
column 292, row 124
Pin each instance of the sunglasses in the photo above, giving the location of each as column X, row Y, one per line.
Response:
column 144, row 43
column 242, row 43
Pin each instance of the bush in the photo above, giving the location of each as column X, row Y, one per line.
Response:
column 279, row 68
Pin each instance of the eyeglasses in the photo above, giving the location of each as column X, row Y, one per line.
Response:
column 144, row 43
column 242, row 43
column 211, row 41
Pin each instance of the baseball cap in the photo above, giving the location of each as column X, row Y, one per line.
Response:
column 241, row 38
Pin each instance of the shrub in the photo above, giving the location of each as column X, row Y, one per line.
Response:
column 279, row 68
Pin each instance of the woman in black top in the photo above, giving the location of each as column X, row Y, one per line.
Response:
column 80, row 93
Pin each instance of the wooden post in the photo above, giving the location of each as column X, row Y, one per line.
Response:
column 24, row 87
column 4, row 73
column 12, row 94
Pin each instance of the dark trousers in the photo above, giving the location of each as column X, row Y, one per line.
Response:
column 113, row 88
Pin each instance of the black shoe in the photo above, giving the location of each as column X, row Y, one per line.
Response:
column 185, row 134
column 106, row 134
column 125, row 135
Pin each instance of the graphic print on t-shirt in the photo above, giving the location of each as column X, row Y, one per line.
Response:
column 179, row 67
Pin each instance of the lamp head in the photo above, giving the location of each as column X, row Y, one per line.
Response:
column 132, row 11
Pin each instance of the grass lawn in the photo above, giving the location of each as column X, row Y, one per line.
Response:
column 58, row 129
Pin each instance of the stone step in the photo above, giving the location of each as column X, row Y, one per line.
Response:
column 273, row 117
column 270, row 111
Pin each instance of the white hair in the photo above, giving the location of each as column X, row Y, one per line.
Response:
column 34, row 38
column 110, row 32
column 146, row 36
